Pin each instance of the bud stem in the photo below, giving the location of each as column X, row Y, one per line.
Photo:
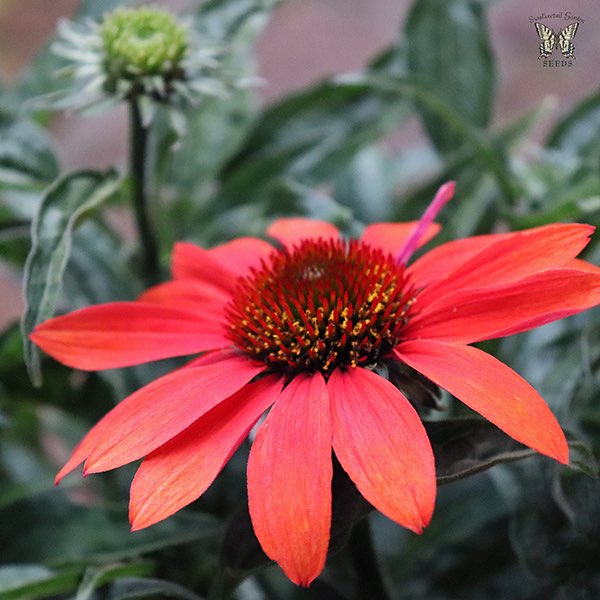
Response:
column 138, row 155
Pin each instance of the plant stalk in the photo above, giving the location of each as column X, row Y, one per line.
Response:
column 138, row 146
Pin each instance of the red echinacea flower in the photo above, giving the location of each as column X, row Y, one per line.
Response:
column 299, row 329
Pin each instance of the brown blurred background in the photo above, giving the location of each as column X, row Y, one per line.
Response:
column 310, row 39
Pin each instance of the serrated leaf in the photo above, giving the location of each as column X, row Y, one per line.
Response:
column 449, row 53
column 63, row 203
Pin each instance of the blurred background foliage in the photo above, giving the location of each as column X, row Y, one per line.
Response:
column 526, row 529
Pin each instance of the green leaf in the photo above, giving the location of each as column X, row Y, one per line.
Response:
column 241, row 552
column 486, row 149
column 94, row 9
column 49, row 528
column 466, row 446
column 578, row 133
column 26, row 155
column 581, row 458
column 310, row 135
column 554, row 528
column 560, row 186
column 19, row 575
column 127, row 588
column 96, row 577
column 63, row 203
column 368, row 184
column 221, row 123
column 28, row 582
column 224, row 18
column 217, row 127
column 98, row 268
column 463, row 447
column 449, row 54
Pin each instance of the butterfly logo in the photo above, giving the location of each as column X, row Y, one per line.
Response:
column 549, row 39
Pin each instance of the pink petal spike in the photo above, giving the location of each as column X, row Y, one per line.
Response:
column 443, row 195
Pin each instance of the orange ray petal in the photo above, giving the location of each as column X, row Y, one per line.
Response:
column 582, row 265
column 391, row 237
column 158, row 412
column 382, row 445
column 515, row 257
column 289, row 479
column 492, row 389
column 189, row 295
column 120, row 334
column 192, row 262
column 473, row 315
column 241, row 254
column 438, row 262
column 181, row 470
column 292, row 230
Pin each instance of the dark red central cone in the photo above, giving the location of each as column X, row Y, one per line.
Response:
column 325, row 304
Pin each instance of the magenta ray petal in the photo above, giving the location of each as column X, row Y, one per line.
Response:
column 441, row 198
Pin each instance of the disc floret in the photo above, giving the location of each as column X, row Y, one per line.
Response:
column 324, row 304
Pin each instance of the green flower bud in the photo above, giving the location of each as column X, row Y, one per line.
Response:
column 143, row 55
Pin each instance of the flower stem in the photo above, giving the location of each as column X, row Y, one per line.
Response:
column 137, row 164
column 369, row 579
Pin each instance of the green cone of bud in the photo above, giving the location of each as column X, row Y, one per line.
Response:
column 142, row 43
